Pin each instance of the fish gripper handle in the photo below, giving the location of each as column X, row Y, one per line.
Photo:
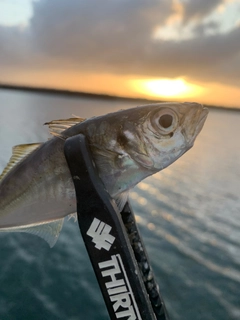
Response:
column 145, row 268
column 123, row 272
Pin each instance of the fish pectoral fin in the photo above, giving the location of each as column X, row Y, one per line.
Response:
column 56, row 127
column 47, row 231
column 121, row 200
column 19, row 152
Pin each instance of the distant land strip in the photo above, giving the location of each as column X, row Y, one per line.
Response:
column 80, row 94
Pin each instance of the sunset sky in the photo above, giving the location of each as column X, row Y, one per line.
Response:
column 167, row 49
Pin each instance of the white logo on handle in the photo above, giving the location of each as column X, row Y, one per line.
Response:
column 99, row 231
column 119, row 288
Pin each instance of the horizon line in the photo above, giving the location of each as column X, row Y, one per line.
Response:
column 84, row 94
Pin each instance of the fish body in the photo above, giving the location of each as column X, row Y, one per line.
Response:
column 126, row 146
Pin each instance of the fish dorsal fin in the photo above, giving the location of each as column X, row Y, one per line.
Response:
column 47, row 231
column 19, row 152
column 56, row 127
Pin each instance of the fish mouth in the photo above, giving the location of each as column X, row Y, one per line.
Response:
column 202, row 119
column 204, row 114
column 193, row 123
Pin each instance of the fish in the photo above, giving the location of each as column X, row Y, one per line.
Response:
column 36, row 188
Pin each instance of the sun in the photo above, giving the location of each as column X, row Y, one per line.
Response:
column 166, row 87
column 178, row 88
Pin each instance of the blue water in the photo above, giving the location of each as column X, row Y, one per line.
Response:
column 189, row 218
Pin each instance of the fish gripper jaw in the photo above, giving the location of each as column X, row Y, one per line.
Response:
column 113, row 242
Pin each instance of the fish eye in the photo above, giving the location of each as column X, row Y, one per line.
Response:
column 164, row 121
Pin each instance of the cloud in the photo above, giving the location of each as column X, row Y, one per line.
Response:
column 117, row 37
column 209, row 28
column 95, row 32
column 14, row 47
column 197, row 9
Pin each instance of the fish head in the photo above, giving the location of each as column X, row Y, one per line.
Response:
column 129, row 145
column 170, row 130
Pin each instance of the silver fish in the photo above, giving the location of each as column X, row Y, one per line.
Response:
column 36, row 188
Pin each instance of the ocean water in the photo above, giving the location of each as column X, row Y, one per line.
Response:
column 188, row 215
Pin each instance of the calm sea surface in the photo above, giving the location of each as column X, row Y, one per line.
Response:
column 189, row 217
